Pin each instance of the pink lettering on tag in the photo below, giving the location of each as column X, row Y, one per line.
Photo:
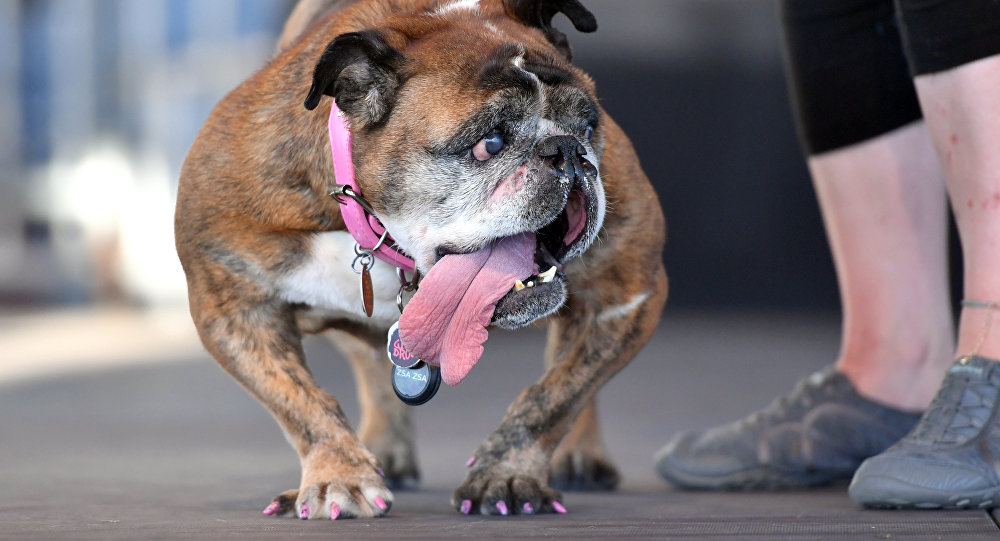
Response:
column 400, row 352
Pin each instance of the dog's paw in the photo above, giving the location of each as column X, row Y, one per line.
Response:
column 582, row 469
column 511, row 484
column 398, row 460
column 400, row 467
column 335, row 486
column 506, row 495
column 326, row 500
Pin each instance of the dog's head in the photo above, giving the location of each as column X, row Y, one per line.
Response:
column 471, row 125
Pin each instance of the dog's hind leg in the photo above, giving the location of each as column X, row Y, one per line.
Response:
column 256, row 340
column 581, row 461
column 385, row 420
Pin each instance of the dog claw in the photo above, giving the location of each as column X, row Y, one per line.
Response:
column 465, row 507
column 380, row 503
column 272, row 508
column 470, row 462
column 334, row 511
column 502, row 507
column 558, row 507
column 528, row 508
column 304, row 512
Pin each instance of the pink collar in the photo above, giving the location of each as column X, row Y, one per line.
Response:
column 363, row 225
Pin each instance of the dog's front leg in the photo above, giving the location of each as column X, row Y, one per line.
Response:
column 594, row 337
column 260, row 345
column 385, row 427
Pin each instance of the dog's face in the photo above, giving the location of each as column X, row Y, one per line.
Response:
column 471, row 125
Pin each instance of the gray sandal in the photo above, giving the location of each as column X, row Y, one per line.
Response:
column 816, row 435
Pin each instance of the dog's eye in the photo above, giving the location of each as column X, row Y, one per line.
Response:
column 589, row 134
column 488, row 146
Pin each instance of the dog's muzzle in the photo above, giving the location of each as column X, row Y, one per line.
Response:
column 564, row 238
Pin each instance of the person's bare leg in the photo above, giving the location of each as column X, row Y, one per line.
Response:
column 962, row 109
column 882, row 196
column 884, row 206
column 949, row 459
column 884, row 209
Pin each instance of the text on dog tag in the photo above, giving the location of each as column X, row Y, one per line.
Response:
column 398, row 353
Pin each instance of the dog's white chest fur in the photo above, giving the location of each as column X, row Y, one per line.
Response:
column 326, row 282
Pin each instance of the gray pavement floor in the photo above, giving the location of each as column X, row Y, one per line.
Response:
column 177, row 450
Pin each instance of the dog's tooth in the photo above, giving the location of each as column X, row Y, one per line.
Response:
column 518, row 285
column 548, row 275
column 531, row 283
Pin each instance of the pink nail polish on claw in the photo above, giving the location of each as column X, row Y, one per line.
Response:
column 272, row 508
column 334, row 511
column 559, row 508
column 466, row 507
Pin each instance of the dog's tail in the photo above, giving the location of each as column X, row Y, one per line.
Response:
column 303, row 15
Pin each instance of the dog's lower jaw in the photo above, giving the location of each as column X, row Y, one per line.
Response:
column 518, row 309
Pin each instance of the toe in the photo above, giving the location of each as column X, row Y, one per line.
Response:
column 495, row 499
column 283, row 504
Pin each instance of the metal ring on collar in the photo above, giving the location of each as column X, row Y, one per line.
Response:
column 366, row 261
column 410, row 285
column 345, row 190
column 358, row 250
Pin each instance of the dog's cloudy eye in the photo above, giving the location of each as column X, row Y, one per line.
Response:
column 590, row 133
column 488, row 146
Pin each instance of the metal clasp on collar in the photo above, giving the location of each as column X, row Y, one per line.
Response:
column 345, row 190
column 405, row 285
column 365, row 254
column 367, row 260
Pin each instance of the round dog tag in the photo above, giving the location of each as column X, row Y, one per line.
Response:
column 397, row 351
column 417, row 385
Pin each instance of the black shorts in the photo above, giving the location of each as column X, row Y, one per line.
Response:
column 850, row 63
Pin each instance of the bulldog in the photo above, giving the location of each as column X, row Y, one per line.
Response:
column 483, row 154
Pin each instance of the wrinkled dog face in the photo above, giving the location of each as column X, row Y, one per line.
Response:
column 478, row 131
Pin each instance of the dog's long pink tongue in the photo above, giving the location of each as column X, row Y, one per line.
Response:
column 445, row 321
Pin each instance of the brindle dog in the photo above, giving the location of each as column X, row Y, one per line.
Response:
column 469, row 124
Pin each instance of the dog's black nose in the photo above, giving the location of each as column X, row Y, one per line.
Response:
column 560, row 144
column 565, row 152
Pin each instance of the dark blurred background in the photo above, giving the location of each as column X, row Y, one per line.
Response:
column 101, row 98
column 698, row 86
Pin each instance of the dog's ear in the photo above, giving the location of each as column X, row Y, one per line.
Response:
column 539, row 13
column 362, row 72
